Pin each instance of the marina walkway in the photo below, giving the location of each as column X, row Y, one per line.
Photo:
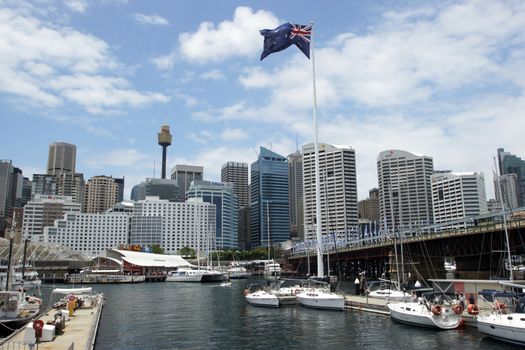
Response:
column 79, row 332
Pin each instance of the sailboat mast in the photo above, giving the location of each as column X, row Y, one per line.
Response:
column 511, row 273
column 320, row 267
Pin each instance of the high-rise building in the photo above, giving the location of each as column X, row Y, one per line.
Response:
column 101, row 194
column 11, row 190
column 44, row 184
column 511, row 164
column 120, row 184
column 71, row 185
column 269, row 207
column 226, row 210
column 369, row 208
column 174, row 225
column 295, row 192
column 89, row 234
column 165, row 189
column 338, row 189
column 184, row 175
column 42, row 211
column 509, row 186
column 61, row 158
column 237, row 173
column 405, row 191
column 457, row 196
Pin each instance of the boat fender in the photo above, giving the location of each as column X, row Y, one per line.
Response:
column 458, row 309
column 472, row 309
column 436, row 310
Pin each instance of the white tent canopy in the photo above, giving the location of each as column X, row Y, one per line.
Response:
column 147, row 259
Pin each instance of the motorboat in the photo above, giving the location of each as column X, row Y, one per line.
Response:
column 28, row 280
column 321, row 298
column 210, row 275
column 433, row 310
column 504, row 323
column 16, row 309
column 258, row 295
column 184, row 274
column 272, row 270
column 237, row 272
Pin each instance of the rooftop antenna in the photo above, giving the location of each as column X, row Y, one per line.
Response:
column 153, row 168
column 297, row 142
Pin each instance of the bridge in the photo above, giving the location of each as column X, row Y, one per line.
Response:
column 479, row 251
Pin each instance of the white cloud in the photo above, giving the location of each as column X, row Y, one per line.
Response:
column 190, row 101
column 233, row 134
column 53, row 66
column 151, row 19
column 76, row 5
column 431, row 80
column 239, row 37
column 165, row 62
column 213, row 74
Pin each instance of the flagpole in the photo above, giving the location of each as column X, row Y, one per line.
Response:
column 320, row 267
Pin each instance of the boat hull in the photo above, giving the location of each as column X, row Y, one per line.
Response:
column 501, row 328
column 417, row 314
column 195, row 278
column 328, row 301
column 8, row 326
column 264, row 300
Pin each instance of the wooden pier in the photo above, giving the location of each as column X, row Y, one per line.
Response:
column 79, row 333
column 362, row 303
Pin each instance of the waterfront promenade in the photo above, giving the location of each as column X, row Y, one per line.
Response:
column 79, row 333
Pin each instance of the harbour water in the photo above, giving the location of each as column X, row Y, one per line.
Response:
column 167, row 315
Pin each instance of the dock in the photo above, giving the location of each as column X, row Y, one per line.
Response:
column 363, row 303
column 79, row 333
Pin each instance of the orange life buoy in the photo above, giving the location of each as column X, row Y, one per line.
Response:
column 436, row 310
column 458, row 309
column 472, row 309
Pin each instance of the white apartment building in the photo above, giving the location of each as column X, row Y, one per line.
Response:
column 405, row 192
column 174, row 225
column 338, row 189
column 89, row 234
column 42, row 211
column 458, row 196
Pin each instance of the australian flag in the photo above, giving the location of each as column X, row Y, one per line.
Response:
column 280, row 38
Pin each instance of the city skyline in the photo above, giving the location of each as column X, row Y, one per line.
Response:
column 390, row 76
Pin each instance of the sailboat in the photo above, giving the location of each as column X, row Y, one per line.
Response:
column 16, row 308
column 500, row 324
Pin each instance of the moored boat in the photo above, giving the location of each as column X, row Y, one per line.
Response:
column 432, row 311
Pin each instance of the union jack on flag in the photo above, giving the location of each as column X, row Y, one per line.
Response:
column 282, row 37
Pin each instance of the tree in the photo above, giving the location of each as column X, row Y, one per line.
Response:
column 187, row 252
column 157, row 249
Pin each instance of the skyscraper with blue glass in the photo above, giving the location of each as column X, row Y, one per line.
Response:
column 512, row 164
column 270, row 207
column 226, row 210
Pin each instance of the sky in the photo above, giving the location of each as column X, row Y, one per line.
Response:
column 441, row 78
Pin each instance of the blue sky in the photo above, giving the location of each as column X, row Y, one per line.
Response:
column 444, row 78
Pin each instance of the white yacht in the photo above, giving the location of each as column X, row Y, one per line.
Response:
column 184, row 274
column 272, row 270
column 320, row 298
column 440, row 314
column 504, row 324
column 258, row 295
column 237, row 272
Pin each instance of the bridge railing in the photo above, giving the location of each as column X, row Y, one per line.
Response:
column 341, row 245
